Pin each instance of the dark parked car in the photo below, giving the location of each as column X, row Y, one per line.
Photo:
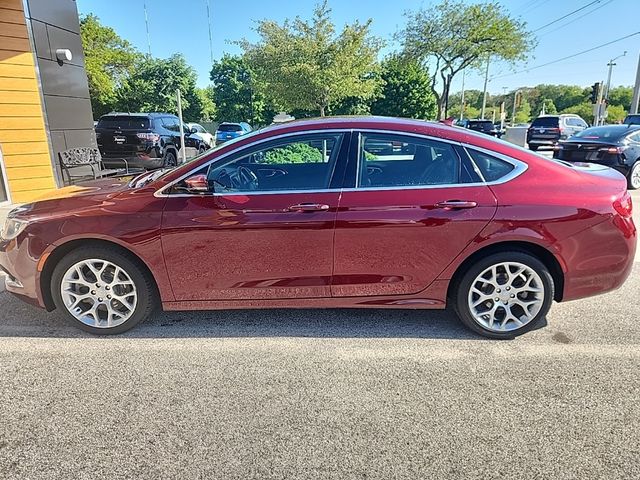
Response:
column 228, row 131
column 483, row 126
column 143, row 140
column 616, row 146
column 632, row 119
column 548, row 130
column 307, row 215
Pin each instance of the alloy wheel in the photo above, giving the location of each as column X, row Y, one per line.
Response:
column 635, row 176
column 506, row 296
column 99, row 293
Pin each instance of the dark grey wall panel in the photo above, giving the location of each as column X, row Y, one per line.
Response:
column 79, row 138
column 68, row 113
column 41, row 39
column 66, row 80
column 59, row 38
column 62, row 13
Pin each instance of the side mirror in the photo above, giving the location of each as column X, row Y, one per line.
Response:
column 193, row 130
column 197, row 184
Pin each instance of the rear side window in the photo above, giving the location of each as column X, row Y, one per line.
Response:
column 550, row 122
column 397, row 161
column 229, row 128
column 124, row 122
column 492, row 168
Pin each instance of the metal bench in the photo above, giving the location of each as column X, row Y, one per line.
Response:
column 75, row 158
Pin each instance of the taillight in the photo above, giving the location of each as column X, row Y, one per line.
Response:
column 624, row 205
column 612, row 150
column 152, row 137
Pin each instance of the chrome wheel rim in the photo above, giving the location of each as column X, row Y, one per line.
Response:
column 635, row 176
column 506, row 296
column 99, row 293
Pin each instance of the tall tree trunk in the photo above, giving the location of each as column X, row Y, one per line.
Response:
column 445, row 95
column 322, row 111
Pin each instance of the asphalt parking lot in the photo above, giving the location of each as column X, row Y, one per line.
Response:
column 323, row 394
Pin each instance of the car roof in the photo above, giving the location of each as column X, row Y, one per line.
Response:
column 138, row 114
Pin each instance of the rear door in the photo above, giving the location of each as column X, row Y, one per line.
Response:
column 410, row 211
column 118, row 134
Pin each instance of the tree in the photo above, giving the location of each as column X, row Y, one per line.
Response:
column 621, row 96
column 584, row 110
column 472, row 103
column 108, row 61
column 549, row 106
column 152, row 86
column 205, row 97
column 406, row 91
column 306, row 65
column 454, row 35
column 523, row 113
column 235, row 92
column 615, row 114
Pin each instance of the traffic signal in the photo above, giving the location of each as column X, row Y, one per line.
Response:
column 595, row 92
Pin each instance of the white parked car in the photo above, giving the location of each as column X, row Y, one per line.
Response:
column 199, row 132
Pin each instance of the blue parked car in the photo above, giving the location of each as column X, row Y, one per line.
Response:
column 228, row 131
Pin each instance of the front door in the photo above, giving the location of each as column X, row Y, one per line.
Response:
column 415, row 206
column 265, row 229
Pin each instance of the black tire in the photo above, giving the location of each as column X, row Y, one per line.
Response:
column 147, row 300
column 533, row 148
column 170, row 159
column 634, row 170
column 461, row 293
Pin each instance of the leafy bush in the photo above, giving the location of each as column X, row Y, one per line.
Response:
column 294, row 153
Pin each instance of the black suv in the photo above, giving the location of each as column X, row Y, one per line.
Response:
column 482, row 126
column 143, row 140
column 548, row 130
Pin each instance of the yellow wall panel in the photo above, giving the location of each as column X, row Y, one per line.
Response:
column 8, row 110
column 11, row 70
column 15, row 58
column 21, row 98
column 12, row 4
column 13, row 30
column 25, row 135
column 36, row 171
column 27, row 184
column 13, row 43
column 11, row 15
column 26, row 148
column 35, row 160
column 18, row 84
column 12, row 123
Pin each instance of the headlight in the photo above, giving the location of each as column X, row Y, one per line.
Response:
column 12, row 228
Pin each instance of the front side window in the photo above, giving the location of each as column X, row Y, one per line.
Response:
column 399, row 161
column 300, row 163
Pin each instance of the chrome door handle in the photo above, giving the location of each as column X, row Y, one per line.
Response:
column 455, row 204
column 309, row 207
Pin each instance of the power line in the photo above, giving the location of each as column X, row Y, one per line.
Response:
column 576, row 19
column 567, row 15
column 569, row 56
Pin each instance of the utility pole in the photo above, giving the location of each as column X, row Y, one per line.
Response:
column 636, row 91
column 611, row 64
column 462, row 102
column 183, row 147
column 210, row 40
column 486, row 80
column 146, row 22
column 513, row 113
column 599, row 107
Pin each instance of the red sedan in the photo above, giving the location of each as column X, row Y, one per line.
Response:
column 357, row 212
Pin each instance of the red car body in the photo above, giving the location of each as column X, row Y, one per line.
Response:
column 395, row 248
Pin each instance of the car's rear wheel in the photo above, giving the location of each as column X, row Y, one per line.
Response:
column 170, row 159
column 504, row 295
column 102, row 290
column 634, row 176
column 533, row 148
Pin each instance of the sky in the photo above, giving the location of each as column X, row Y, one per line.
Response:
column 182, row 27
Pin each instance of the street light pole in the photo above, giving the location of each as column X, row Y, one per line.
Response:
column 484, row 95
column 636, row 91
column 611, row 64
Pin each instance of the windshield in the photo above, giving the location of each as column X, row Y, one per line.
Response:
column 611, row 132
column 484, row 125
column 241, row 138
column 229, row 127
column 545, row 122
column 124, row 122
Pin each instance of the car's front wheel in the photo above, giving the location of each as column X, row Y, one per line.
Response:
column 634, row 176
column 103, row 290
column 504, row 295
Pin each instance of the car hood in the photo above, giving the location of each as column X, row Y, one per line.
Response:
column 75, row 198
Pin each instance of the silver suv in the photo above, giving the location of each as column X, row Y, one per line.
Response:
column 548, row 130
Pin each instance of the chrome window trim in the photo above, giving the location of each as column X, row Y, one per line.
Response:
column 519, row 167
